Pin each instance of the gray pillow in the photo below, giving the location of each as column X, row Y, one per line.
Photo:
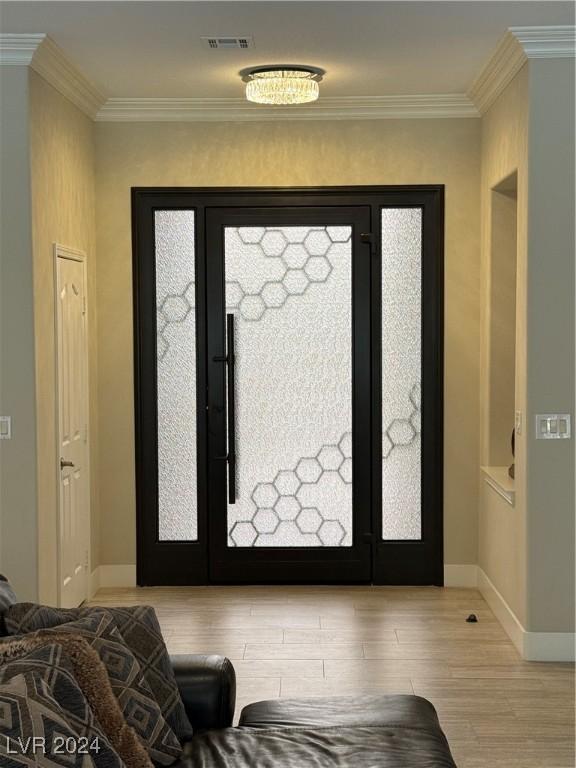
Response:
column 141, row 632
column 137, row 702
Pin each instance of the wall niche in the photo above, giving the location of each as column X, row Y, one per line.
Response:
column 502, row 324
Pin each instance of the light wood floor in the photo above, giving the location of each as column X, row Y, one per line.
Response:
column 496, row 710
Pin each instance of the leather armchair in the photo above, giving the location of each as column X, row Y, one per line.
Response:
column 349, row 732
column 207, row 685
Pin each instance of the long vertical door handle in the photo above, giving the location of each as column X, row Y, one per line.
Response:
column 231, row 360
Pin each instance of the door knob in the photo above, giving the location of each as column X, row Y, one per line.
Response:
column 66, row 463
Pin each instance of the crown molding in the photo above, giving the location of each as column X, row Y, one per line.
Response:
column 19, row 50
column 328, row 108
column 53, row 66
column 546, row 42
column 506, row 61
column 518, row 45
column 43, row 55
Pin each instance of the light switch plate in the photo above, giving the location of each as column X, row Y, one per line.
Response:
column 5, row 427
column 553, row 426
column 518, row 422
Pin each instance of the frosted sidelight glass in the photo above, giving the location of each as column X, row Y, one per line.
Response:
column 401, row 371
column 290, row 289
column 176, row 353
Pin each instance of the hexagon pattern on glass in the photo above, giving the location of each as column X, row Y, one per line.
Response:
column 281, row 507
column 303, row 260
column 284, row 284
column 285, row 499
column 303, row 257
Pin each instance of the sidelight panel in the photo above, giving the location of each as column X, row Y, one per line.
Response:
column 176, row 374
column 290, row 291
column 401, row 372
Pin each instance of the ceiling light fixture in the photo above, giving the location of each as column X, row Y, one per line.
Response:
column 282, row 84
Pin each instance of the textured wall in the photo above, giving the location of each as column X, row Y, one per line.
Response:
column 62, row 160
column 502, row 528
column 17, row 395
column 287, row 154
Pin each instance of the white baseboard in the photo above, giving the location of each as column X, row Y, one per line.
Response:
column 502, row 611
column 550, row 646
column 532, row 646
column 461, row 576
column 113, row 576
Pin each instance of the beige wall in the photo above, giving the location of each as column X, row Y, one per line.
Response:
column 62, row 159
column 288, row 154
column 502, row 528
column 18, row 553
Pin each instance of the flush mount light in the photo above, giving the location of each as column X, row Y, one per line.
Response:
column 285, row 84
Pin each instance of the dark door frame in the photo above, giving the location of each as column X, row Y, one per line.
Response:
column 303, row 565
column 393, row 562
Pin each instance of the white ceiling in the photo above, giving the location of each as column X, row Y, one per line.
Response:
column 153, row 49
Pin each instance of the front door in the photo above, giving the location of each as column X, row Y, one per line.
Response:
column 289, row 385
column 289, row 396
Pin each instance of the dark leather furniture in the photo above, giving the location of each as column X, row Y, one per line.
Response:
column 342, row 732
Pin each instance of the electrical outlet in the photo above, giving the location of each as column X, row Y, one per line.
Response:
column 5, row 427
column 553, row 426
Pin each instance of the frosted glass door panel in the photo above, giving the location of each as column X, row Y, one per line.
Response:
column 401, row 372
column 176, row 353
column 290, row 290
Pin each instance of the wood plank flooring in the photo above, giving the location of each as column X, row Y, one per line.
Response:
column 497, row 710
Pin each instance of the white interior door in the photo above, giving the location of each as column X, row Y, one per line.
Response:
column 74, row 519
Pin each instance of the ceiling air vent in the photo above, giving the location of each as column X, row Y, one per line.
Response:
column 214, row 42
